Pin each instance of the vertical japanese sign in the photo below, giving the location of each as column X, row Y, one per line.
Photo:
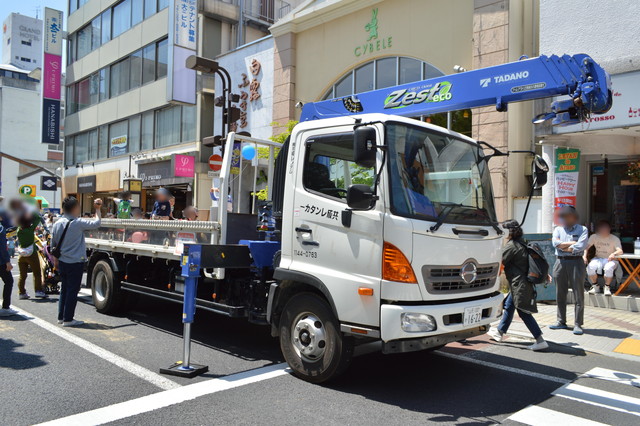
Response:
column 183, row 37
column 52, row 68
column 566, row 176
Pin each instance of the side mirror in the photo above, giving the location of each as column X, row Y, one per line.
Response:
column 540, row 170
column 360, row 197
column 364, row 146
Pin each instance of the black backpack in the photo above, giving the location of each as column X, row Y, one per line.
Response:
column 538, row 265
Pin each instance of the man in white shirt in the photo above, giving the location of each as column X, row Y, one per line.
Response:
column 608, row 246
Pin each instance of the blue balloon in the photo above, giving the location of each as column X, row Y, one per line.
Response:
column 248, row 152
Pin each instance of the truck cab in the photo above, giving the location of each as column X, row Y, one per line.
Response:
column 402, row 245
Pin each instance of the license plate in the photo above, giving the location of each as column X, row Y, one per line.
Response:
column 472, row 315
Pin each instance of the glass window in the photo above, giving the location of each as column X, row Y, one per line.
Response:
column 345, row 86
column 81, row 147
column 118, row 138
column 73, row 6
column 119, row 77
column 103, row 76
column 103, row 142
column 188, row 123
column 96, row 33
column 82, row 94
column 121, row 18
column 149, row 63
column 147, row 131
column 94, row 88
column 329, row 168
column 68, row 151
column 150, row 7
column 364, row 78
column 162, row 4
column 106, row 25
column 136, row 69
column 410, row 70
column 71, row 52
column 386, row 72
column 93, row 144
column 167, row 127
column 134, row 134
column 137, row 7
column 163, row 58
column 71, row 104
column 83, row 39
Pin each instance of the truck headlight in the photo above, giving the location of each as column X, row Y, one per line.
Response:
column 414, row 322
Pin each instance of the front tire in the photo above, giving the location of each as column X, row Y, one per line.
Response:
column 105, row 289
column 311, row 341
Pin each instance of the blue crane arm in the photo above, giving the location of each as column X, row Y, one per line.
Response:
column 586, row 83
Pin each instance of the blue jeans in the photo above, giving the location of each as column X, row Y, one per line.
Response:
column 71, row 277
column 507, row 317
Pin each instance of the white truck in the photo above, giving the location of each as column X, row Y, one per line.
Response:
column 385, row 226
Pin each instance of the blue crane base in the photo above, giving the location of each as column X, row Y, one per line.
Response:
column 178, row 369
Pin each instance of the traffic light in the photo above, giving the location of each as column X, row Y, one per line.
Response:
column 231, row 115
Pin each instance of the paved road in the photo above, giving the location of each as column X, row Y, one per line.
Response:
column 106, row 372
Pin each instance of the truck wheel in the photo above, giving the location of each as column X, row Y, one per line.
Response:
column 104, row 288
column 311, row 341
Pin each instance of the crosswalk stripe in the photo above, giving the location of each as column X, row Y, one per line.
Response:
column 600, row 398
column 534, row 416
column 613, row 376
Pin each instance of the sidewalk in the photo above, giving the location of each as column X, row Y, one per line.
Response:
column 606, row 331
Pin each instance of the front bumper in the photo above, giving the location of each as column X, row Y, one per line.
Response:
column 448, row 318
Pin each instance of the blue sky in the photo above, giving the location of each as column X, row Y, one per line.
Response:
column 29, row 7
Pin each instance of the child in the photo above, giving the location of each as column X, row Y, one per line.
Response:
column 124, row 206
column 162, row 206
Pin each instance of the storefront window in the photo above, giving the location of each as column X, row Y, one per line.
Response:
column 136, row 69
column 147, row 131
column 188, row 123
column 134, row 134
column 163, row 58
column 381, row 73
column 167, row 127
column 121, row 18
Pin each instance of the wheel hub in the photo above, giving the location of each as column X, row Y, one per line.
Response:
column 309, row 338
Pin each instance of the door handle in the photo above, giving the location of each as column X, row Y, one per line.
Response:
column 303, row 230
column 482, row 232
column 311, row 243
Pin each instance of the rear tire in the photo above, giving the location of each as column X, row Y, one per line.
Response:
column 105, row 288
column 311, row 341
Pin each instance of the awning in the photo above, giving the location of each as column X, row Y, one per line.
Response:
column 43, row 201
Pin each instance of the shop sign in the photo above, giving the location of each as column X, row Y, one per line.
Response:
column 566, row 176
column 154, row 172
column 184, row 165
column 235, row 159
column 51, row 76
column 183, row 38
column 598, row 170
column 48, row 183
column 118, row 145
column 27, row 190
column 374, row 42
column 86, row 184
column 249, row 93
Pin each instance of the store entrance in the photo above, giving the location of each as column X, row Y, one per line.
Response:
column 614, row 197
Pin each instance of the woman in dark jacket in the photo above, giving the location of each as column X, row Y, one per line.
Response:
column 522, row 297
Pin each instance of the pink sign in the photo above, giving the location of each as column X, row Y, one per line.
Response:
column 184, row 165
column 51, row 76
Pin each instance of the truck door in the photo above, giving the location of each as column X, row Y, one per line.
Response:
column 344, row 258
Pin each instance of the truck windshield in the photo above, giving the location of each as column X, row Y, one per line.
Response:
column 434, row 175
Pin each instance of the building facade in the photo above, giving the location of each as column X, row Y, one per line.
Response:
column 607, row 146
column 22, row 41
column 121, row 122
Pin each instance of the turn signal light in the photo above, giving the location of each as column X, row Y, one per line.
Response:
column 395, row 266
column 365, row 291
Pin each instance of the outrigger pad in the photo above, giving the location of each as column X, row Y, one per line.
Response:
column 178, row 370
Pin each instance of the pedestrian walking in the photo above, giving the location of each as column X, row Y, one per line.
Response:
column 27, row 219
column 68, row 246
column 570, row 240
column 521, row 297
column 607, row 246
column 5, row 266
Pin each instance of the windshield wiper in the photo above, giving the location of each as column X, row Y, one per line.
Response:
column 443, row 215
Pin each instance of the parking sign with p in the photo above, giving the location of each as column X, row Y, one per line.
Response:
column 28, row 190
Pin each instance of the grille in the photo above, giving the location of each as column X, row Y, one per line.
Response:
column 447, row 279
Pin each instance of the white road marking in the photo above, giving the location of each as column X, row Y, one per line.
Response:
column 613, row 376
column 539, row 416
column 167, row 398
column 135, row 369
column 600, row 398
column 504, row 368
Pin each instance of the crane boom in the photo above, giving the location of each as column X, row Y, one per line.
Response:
column 586, row 83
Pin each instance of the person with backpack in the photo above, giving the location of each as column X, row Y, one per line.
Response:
column 570, row 240
column 124, row 206
column 69, row 250
column 522, row 293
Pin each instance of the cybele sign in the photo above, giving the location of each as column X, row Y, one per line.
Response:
column 215, row 162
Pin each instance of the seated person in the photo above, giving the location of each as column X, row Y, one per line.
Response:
column 608, row 246
column 316, row 178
